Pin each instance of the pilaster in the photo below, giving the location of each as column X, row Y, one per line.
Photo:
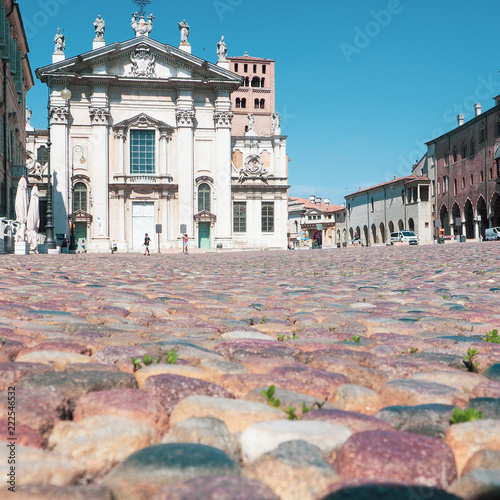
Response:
column 185, row 126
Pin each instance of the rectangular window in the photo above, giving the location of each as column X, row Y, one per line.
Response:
column 240, row 217
column 236, row 67
column 264, row 69
column 142, row 151
column 267, row 217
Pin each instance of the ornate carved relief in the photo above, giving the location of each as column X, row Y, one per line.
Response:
column 185, row 118
column 253, row 169
column 99, row 115
column 143, row 61
column 59, row 114
column 223, row 118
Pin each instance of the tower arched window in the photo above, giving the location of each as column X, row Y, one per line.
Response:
column 262, row 81
column 203, row 197
column 262, row 104
column 244, row 102
column 79, row 197
column 455, row 154
column 255, row 81
column 256, row 104
column 472, row 147
column 238, row 102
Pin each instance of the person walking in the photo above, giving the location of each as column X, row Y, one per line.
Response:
column 84, row 248
column 147, row 241
column 185, row 240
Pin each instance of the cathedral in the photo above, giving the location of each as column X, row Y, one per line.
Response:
column 142, row 140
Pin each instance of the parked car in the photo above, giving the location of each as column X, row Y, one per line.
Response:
column 492, row 233
column 405, row 237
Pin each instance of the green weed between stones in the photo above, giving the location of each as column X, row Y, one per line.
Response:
column 470, row 362
column 492, row 337
column 290, row 411
column 3, row 343
column 355, row 338
column 459, row 416
column 413, row 350
column 171, row 358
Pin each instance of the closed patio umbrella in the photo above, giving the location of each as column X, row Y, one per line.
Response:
column 33, row 220
column 21, row 206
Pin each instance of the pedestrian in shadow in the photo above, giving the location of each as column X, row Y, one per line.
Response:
column 147, row 241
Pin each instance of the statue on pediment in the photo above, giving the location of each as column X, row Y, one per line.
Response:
column 100, row 27
column 60, row 41
column 222, row 50
column 184, row 29
column 140, row 26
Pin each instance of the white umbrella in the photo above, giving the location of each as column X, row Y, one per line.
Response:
column 21, row 206
column 33, row 220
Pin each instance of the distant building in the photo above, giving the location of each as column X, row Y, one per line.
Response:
column 256, row 94
column 315, row 222
column 377, row 211
column 466, row 161
column 15, row 79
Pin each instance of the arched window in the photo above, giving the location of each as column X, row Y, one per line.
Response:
column 373, row 204
column 255, row 81
column 262, row 104
column 490, row 172
column 454, row 186
column 203, row 197
column 79, row 197
column 262, row 81
column 472, row 147
column 255, row 68
column 256, row 103
column 446, row 158
column 245, row 68
column 455, row 154
column 402, row 197
column 481, row 176
column 264, row 69
column 238, row 102
column 482, row 133
column 247, row 82
column 464, row 151
column 471, row 179
column 463, row 182
column 244, row 102
column 236, row 67
column 439, row 186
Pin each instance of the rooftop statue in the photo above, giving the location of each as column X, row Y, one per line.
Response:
column 100, row 27
column 222, row 50
column 140, row 26
column 184, row 29
column 60, row 41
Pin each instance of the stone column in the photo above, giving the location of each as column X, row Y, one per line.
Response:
column 223, row 208
column 99, row 118
column 185, row 128
column 60, row 167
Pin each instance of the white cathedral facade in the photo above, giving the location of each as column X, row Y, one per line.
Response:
column 143, row 143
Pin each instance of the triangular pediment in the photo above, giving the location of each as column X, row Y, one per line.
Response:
column 143, row 120
column 140, row 58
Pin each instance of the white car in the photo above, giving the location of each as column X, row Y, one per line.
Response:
column 405, row 237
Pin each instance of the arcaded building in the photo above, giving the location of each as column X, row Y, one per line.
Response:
column 467, row 174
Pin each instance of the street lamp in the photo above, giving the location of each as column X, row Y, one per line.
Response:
column 76, row 149
column 49, row 226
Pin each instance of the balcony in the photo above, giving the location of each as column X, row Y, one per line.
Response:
column 137, row 179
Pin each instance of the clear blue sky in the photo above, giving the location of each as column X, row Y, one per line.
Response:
column 361, row 85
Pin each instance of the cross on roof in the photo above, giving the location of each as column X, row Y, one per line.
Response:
column 142, row 4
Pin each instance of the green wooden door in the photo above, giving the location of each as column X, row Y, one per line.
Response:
column 204, row 235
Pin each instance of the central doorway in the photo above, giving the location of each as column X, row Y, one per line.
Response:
column 204, row 235
column 143, row 221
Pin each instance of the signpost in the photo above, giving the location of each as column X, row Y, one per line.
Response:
column 158, row 232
